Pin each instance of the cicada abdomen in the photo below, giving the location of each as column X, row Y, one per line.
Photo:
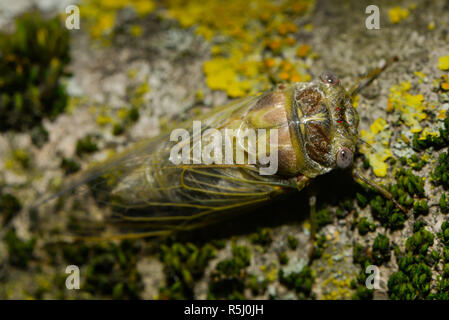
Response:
column 308, row 129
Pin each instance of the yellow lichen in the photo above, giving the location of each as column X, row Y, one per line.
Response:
column 308, row 27
column 303, row 50
column 136, row 30
column 101, row 14
column 411, row 107
column 443, row 63
column 378, row 125
column 441, row 114
column 103, row 120
column 421, row 75
column 378, row 138
column 143, row 7
column 426, row 132
column 397, row 14
column 221, row 75
column 340, row 289
column 240, row 63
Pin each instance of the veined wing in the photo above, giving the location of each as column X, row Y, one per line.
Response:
column 152, row 196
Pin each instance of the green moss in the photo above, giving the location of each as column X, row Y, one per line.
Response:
column 417, row 163
column 320, row 246
column 362, row 257
column 323, row 217
column 345, row 207
column 400, row 288
column 76, row 253
column 292, row 242
column 69, row 166
column 341, row 214
column 446, row 254
column 86, row 145
column 392, row 161
column 228, row 278
column 364, row 226
column 20, row 251
column 386, row 212
column 360, row 254
column 435, row 255
column 219, row 243
column 133, row 115
column 118, row 129
column 301, row 282
column 412, row 281
column 440, row 175
column 283, row 258
column 420, row 241
column 409, row 183
column 9, row 207
column 112, row 270
column 361, row 199
column 446, row 270
column 366, row 164
column 34, row 60
column 381, row 249
column 407, row 188
column 437, row 143
column 39, row 136
column 420, row 207
column 257, row 285
column 441, row 291
column 362, row 293
column 403, row 160
column 183, row 265
column 130, row 117
column 263, row 237
column 444, row 203
column 22, row 157
column 444, row 234
column 419, row 225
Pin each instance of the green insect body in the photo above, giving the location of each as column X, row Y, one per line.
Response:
column 317, row 129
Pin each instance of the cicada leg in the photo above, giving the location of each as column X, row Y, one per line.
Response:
column 362, row 179
column 302, row 182
column 313, row 226
column 370, row 77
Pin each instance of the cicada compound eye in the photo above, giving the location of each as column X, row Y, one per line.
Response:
column 329, row 78
column 344, row 158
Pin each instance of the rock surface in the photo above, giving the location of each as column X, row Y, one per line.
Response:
column 166, row 64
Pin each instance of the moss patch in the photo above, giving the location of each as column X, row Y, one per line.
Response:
column 34, row 60
column 184, row 264
column 228, row 278
column 20, row 251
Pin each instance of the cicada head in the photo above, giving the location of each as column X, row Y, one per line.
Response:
column 317, row 125
column 325, row 124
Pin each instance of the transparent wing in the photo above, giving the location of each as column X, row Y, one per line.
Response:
column 141, row 193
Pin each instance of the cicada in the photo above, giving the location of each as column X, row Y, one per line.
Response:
column 151, row 194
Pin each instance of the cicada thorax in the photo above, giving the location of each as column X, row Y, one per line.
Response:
column 269, row 113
